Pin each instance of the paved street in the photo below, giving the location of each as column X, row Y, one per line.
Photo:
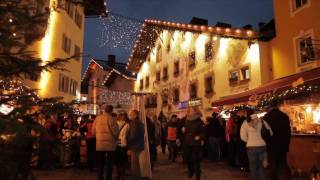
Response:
column 163, row 170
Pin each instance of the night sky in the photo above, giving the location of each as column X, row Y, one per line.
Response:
column 235, row 12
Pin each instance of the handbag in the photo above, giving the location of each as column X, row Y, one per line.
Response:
column 265, row 133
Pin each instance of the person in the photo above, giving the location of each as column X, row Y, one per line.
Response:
column 163, row 122
column 215, row 134
column 241, row 145
column 151, row 139
column 106, row 130
column 193, row 132
column 278, row 145
column 157, row 126
column 91, row 143
column 231, row 131
column 172, row 137
column 135, row 142
column 250, row 133
column 121, row 152
column 180, row 138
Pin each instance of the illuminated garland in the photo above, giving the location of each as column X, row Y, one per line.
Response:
column 110, row 97
column 118, row 31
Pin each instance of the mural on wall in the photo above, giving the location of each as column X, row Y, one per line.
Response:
column 236, row 51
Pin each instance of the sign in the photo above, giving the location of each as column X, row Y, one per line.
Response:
column 191, row 103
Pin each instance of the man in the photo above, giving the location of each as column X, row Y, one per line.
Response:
column 278, row 145
column 106, row 130
column 135, row 142
column 172, row 137
column 194, row 135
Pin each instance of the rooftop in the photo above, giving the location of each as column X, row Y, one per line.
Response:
column 151, row 29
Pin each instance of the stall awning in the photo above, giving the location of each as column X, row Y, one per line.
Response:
column 275, row 85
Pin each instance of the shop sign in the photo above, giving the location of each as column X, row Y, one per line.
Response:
column 191, row 103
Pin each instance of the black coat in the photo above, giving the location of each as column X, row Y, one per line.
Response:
column 135, row 137
column 214, row 129
column 193, row 128
column 280, row 125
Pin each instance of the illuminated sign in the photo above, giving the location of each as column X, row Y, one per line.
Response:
column 186, row 104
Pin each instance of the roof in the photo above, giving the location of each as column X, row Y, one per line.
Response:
column 103, row 64
column 151, row 28
column 94, row 7
column 275, row 85
column 114, row 72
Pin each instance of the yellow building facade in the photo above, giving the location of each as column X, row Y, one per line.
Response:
column 63, row 38
column 296, row 45
column 187, row 68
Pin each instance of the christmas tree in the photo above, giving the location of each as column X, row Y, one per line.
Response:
column 22, row 23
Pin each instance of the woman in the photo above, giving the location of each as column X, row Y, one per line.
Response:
column 121, row 152
column 250, row 133
column 193, row 140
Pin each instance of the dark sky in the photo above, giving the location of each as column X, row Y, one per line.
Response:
column 236, row 12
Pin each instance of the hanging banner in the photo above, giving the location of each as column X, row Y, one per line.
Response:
column 110, row 97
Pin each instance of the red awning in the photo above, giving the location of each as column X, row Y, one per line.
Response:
column 278, row 84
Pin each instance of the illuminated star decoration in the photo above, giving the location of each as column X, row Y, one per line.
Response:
column 118, row 31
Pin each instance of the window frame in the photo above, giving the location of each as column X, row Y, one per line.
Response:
column 191, row 94
column 77, row 52
column 299, row 50
column 192, row 59
column 147, row 81
column 141, row 84
column 211, row 90
column 294, row 9
column 176, row 95
column 158, row 76
column 176, row 67
column 208, row 55
column 165, row 71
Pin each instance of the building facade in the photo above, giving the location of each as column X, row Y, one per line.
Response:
column 106, row 82
column 193, row 68
column 296, row 45
column 63, row 39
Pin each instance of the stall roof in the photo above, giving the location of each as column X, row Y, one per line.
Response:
column 151, row 29
column 278, row 84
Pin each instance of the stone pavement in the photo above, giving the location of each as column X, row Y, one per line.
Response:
column 163, row 170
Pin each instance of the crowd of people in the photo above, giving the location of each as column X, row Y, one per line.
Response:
column 244, row 140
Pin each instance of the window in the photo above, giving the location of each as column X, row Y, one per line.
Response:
column 66, row 44
column 176, row 68
column 239, row 75
column 69, row 9
column 92, row 84
column 73, row 87
column 192, row 59
column 165, row 73
column 245, row 73
column 209, row 85
column 147, row 81
column 306, row 51
column 159, row 54
column 141, row 84
column 299, row 3
column 234, row 76
column 77, row 53
column 208, row 51
column 168, row 47
column 158, row 76
column 176, row 95
column 63, row 83
column 78, row 19
column 165, row 99
column 193, row 91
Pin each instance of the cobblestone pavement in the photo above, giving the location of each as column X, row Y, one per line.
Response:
column 163, row 170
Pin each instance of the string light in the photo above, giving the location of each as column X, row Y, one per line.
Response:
column 14, row 34
column 10, row 20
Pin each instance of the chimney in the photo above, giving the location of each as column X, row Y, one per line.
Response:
column 111, row 60
column 248, row 27
column 199, row 21
column 223, row 25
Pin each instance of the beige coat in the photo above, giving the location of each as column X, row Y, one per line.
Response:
column 106, row 130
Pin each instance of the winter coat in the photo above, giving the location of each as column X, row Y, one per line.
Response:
column 280, row 125
column 89, row 126
column 231, row 130
column 106, row 130
column 193, row 128
column 135, row 138
column 252, row 135
column 151, row 131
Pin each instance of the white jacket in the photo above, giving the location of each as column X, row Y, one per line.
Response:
column 252, row 135
column 122, row 140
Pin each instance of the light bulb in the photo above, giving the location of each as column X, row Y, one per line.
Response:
column 10, row 20
column 14, row 34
